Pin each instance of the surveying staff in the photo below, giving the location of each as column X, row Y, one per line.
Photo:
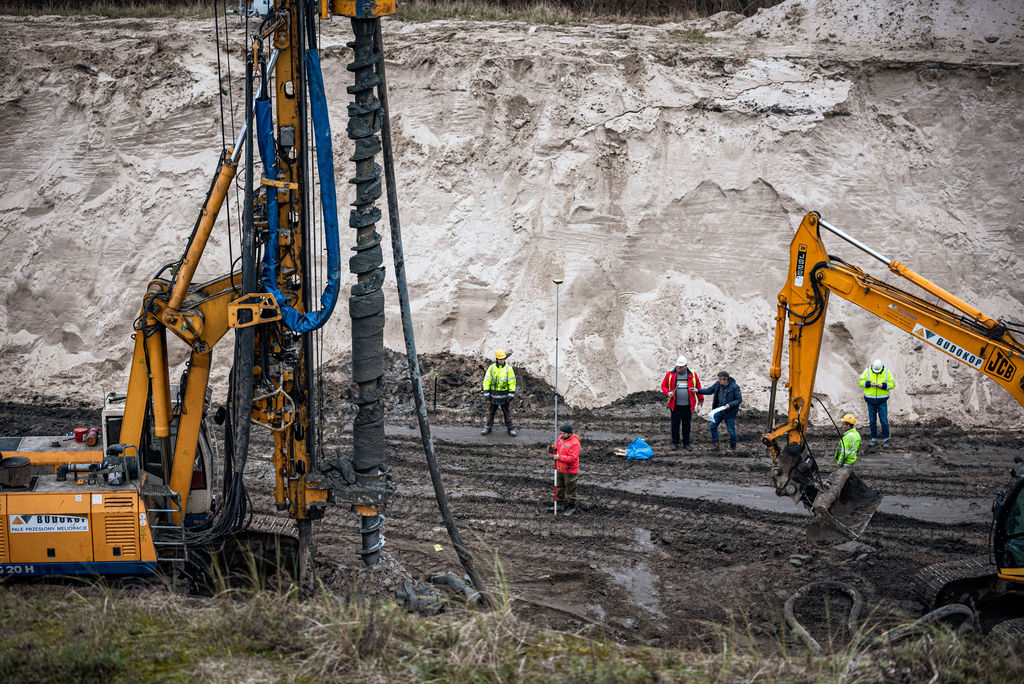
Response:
column 849, row 444
column 499, row 390
column 567, row 462
column 679, row 386
column 724, row 408
column 877, row 382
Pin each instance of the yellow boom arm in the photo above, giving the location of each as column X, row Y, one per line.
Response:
column 961, row 331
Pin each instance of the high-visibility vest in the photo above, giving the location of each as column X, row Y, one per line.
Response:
column 849, row 445
column 500, row 378
column 876, row 379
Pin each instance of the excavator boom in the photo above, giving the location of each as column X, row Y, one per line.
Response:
column 844, row 503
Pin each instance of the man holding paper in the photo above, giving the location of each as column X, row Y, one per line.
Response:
column 726, row 404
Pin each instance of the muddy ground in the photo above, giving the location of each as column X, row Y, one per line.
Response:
column 644, row 561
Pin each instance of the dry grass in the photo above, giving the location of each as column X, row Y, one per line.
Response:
column 136, row 9
column 94, row 633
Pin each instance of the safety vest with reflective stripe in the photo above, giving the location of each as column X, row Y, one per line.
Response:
column 849, row 445
column 500, row 379
column 876, row 379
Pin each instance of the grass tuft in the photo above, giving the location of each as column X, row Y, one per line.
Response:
column 95, row 633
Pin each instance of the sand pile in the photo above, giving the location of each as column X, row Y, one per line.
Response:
column 659, row 173
column 990, row 28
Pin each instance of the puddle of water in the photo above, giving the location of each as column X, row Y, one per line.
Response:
column 942, row 511
column 760, row 498
column 638, row 582
column 927, row 509
column 643, row 538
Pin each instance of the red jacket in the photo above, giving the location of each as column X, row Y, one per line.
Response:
column 567, row 454
column 668, row 388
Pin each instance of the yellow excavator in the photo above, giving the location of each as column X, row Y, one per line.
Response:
column 145, row 495
column 842, row 503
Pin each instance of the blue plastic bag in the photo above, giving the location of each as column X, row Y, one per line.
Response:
column 639, row 450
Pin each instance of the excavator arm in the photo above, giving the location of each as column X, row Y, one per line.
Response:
column 952, row 326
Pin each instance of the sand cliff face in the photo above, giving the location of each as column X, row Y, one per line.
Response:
column 660, row 172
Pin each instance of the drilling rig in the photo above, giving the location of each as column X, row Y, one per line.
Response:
column 145, row 497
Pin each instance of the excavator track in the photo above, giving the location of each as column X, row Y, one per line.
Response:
column 947, row 582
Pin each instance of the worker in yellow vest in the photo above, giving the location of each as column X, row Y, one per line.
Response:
column 500, row 390
column 877, row 382
column 846, row 453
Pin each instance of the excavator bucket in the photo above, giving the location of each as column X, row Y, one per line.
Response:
column 843, row 508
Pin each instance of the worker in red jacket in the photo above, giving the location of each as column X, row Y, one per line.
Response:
column 680, row 386
column 567, row 462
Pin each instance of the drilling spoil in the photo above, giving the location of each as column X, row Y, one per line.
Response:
column 660, row 171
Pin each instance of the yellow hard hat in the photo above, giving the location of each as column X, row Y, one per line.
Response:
column 500, row 354
column 850, row 418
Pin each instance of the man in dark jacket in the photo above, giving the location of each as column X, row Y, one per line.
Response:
column 724, row 408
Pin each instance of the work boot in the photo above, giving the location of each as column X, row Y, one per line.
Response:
column 874, row 442
column 675, row 445
column 486, row 430
column 732, row 446
column 885, row 444
column 718, row 446
column 688, row 447
column 511, row 432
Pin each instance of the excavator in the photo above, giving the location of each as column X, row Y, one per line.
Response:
column 842, row 504
column 146, row 497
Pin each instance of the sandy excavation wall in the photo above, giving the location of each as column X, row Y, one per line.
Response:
column 659, row 171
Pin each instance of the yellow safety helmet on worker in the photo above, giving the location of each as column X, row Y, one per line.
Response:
column 500, row 355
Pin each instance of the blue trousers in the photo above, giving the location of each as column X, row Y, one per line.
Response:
column 730, row 425
column 877, row 409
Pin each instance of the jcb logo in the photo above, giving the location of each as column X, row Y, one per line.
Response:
column 1001, row 365
column 801, row 264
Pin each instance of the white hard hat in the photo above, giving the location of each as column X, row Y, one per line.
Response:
column 877, row 365
column 681, row 361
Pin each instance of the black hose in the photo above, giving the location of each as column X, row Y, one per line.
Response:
column 801, row 631
column 855, row 609
column 465, row 557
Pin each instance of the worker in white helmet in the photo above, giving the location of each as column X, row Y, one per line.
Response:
column 878, row 383
column 500, row 390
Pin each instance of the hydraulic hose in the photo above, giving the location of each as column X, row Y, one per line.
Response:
column 465, row 557
column 855, row 610
column 245, row 337
column 851, row 620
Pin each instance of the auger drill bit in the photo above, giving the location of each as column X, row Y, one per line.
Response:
column 366, row 303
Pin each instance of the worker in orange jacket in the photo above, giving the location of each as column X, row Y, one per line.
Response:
column 567, row 462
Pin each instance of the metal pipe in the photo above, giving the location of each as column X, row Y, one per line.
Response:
column 236, row 151
column 855, row 242
column 557, row 282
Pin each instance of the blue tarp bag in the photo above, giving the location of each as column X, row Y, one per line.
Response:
column 639, row 450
